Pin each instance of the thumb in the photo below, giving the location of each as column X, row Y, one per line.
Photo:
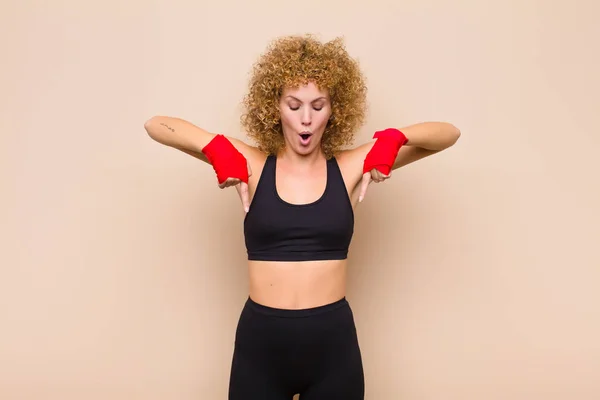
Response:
column 249, row 169
column 366, row 179
column 245, row 196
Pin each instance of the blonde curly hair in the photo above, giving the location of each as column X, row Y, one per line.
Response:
column 292, row 61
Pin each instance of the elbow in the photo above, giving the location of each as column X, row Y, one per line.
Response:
column 456, row 135
column 148, row 123
column 151, row 127
column 453, row 134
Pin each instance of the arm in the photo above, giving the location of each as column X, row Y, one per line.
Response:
column 185, row 136
column 189, row 138
column 424, row 139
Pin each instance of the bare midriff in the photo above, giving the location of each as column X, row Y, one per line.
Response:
column 297, row 285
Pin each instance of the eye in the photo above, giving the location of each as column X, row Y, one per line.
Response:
column 296, row 108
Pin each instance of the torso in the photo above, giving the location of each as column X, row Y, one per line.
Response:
column 300, row 284
column 295, row 285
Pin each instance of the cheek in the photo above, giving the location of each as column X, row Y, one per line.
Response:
column 323, row 118
column 287, row 117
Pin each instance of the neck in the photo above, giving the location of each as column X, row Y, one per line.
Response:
column 301, row 160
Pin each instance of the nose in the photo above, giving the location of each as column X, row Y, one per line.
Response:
column 306, row 116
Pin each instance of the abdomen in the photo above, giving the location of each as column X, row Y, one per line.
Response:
column 297, row 285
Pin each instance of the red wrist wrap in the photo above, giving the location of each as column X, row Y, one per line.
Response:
column 226, row 160
column 384, row 151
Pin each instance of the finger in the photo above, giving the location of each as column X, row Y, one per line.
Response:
column 245, row 197
column 375, row 176
column 229, row 182
column 225, row 183
column 363, row 186
column 249, row 170
column 379, row 176
column 238, row 189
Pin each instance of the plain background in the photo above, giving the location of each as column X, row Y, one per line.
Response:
column 474, row 274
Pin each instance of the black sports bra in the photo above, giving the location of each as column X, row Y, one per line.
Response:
column 276, row 230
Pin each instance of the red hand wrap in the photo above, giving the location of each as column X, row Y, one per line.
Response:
column 226, row 160
column 383, row 153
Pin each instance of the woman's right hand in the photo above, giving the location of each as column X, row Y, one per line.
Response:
column 241, row 187
column 193, row 140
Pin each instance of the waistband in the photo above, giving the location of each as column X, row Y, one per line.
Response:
column 296, row 313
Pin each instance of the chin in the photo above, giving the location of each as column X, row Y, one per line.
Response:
column 298, row 148
column 306, row 150
column 303, row 151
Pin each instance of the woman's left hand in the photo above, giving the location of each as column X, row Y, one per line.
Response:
column 373, row 176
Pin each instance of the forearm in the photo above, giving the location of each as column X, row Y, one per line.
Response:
column 431, row 135
column 178, row 133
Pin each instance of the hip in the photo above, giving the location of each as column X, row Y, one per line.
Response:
column 305, row 350
column 290, row 333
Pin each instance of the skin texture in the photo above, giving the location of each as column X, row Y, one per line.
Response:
column 300, row 85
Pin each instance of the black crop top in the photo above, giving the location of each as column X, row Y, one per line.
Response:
column 276, row 230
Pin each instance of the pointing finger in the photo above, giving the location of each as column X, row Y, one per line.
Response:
column 245, row 196
column 363, row 186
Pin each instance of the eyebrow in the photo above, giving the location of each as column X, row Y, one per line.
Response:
column 320, row 98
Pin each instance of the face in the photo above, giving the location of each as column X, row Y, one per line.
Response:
column 304, row 112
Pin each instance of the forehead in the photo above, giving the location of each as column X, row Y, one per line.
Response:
column 308, row 92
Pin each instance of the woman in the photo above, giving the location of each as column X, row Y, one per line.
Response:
column 299, row 187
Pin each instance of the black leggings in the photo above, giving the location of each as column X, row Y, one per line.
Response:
column 313, row 351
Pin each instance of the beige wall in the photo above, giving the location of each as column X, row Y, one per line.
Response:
column 474, row 274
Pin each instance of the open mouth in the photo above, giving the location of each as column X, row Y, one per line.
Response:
column 305, row 138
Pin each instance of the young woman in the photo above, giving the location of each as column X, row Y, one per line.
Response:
column 299, row 186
